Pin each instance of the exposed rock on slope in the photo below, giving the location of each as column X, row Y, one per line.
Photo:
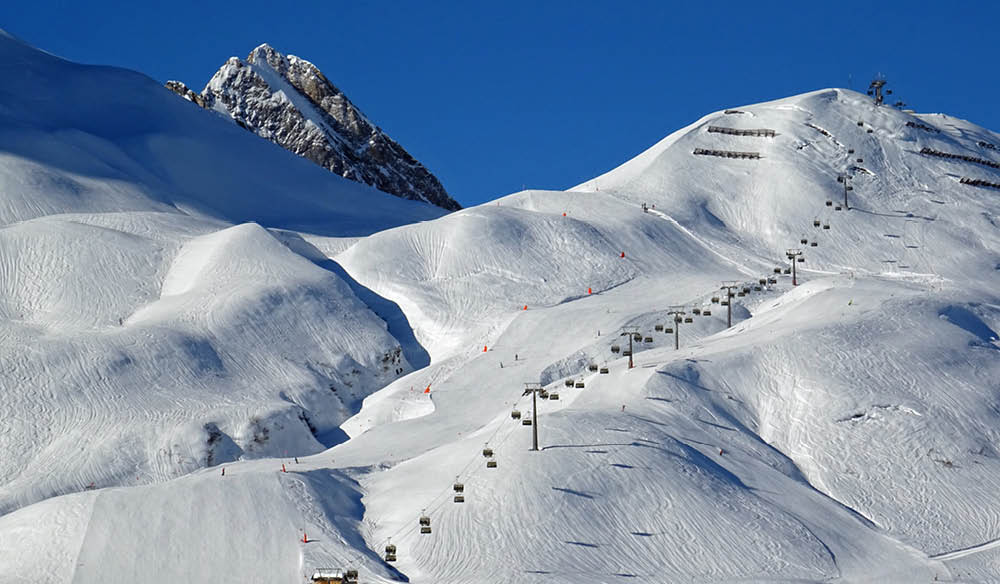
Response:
column 289, row 101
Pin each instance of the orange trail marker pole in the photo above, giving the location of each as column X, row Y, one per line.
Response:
column 428, row 390
column 484, row 348
column 283, row 467
column 305, row 538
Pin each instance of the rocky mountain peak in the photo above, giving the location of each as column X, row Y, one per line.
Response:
column 289, row 101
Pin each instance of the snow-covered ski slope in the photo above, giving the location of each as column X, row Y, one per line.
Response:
column 846, row 429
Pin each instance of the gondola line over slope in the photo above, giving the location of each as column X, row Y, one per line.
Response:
column 202, row 386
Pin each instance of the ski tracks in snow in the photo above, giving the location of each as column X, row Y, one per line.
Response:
column 745, row 270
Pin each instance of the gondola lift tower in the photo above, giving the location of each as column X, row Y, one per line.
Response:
column 875, row 89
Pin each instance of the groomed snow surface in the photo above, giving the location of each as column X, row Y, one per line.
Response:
column 217, row 357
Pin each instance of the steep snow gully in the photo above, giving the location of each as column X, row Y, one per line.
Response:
column 206, row 380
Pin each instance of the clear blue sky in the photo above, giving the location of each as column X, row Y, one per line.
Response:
column 495, row 95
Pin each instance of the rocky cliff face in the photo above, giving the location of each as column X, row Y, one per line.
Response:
column 290, row 102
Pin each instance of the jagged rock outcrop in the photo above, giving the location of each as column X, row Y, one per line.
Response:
column 185, row 92
column 289, row 101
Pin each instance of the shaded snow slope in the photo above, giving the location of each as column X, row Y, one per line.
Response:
column 164, row 358
column 121, row 535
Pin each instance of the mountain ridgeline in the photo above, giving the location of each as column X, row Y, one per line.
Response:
column 289, row 101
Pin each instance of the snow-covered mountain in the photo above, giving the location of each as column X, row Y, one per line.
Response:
column 141, row 294
column 845, row 429
column 289, row 101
